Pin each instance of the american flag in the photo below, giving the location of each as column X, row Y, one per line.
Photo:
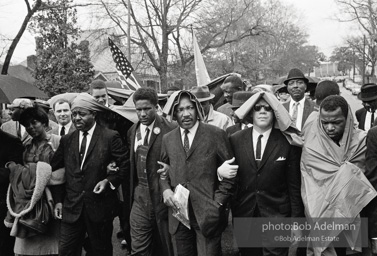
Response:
column 124, row 68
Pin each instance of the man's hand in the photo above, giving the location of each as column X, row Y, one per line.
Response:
column 227, row 170
column 112, row 167
column 164, row 171
column 101, row 186
column 58, row 210
column 169, row 200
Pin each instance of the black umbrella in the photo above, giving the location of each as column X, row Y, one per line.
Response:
column 12, row 88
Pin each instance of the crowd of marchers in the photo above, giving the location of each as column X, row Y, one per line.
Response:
column 177, row 178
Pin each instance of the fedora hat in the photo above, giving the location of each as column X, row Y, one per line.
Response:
column 202, row 93
column 21, row 103
column 295, row 73
column 368, row 92
column 241, row 97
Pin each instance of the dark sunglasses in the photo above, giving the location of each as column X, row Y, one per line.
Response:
column 259, row 107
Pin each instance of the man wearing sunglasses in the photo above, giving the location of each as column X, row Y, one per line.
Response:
column 366, row 116
column 299, row 107
column 269, row 176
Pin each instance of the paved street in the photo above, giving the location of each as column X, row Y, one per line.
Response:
column 352, row 100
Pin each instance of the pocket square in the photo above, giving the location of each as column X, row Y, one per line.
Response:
column 281, row 158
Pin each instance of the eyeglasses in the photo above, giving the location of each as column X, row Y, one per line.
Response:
column 259, row 108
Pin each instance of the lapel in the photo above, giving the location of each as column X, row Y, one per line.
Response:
column 132, row 140
column 306, row 112
column 197, row 139
column 271, row 146
column 75, row 145
column 157, row 124
column 93, row 141
column 248, row 148
column 72, row 128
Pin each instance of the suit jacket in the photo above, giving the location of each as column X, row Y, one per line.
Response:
column 105, row 146
column 153, row 155
column 360, row 116
column 275, row 186
column 197, row 171
column 308, row 108
column 370, row 211
column 55, row 130
column 11, row 149
column 233, row 129
column 11, row 128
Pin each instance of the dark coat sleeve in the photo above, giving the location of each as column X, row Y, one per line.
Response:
column 226, row 187
column 370, row 210
column 294, row 182
column 120, row 154
column 164, row 184
column 12, row 153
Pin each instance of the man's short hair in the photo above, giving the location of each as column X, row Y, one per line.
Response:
column 97, row 84
column 333, row 102
column 33, row 113
column 326, row 88
column 236, row 82
column 61, row 101
column 146, row 93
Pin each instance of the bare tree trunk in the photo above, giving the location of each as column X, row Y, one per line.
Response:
column 15, row 41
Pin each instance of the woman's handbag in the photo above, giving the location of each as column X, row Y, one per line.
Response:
column 38, row 218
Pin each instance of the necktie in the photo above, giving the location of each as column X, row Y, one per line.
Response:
column 372, row 120
column 258, row 153
column 295, row 110
column 83, row 147
column 146, row 137
column 186, row 143
column 62, row 131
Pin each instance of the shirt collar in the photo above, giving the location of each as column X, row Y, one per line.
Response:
column 302, row 102
column 266, row 134
column 90, row 132
column 143, row 127
column 192, row 130
column 66, row 126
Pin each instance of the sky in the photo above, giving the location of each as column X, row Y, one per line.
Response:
column 318, row 19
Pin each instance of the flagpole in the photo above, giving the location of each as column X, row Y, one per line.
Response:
column 129, row 31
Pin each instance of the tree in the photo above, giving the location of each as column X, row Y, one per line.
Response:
column 363, row 13
column 161, row 33
column 12, row 47
column 346, row 57
column 63, row 65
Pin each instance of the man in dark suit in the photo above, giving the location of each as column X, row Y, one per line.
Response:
column 149, row 215
column 299, row 107
column 88, row 201
column 195, row 151
column 366, row 116
column 62, row 111
column 269, row 169
column 10, row 151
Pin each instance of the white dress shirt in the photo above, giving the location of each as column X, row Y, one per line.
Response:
column 191, row 134
column 368, row 124
column 66, row 128
column 264, row 140
column 88, row 139
column 143, row 132
column 300, row 111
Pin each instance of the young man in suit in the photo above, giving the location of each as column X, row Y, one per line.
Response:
column 62, row 111
column 366, row 116
column 149, row 215
column 195, row 151
column 88, row 200
column 299, row 107
column 11, row 150
column 269, row 167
